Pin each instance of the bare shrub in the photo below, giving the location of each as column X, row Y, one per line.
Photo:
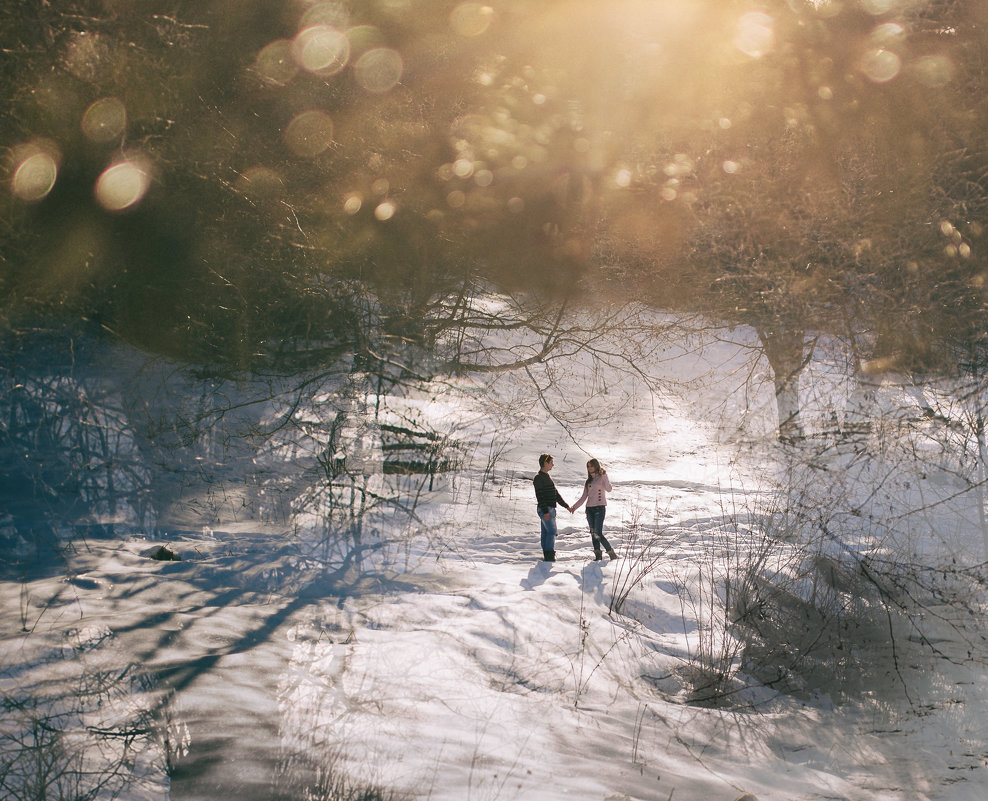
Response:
column 88, row 742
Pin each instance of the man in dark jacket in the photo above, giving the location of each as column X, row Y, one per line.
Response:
column 546, row 497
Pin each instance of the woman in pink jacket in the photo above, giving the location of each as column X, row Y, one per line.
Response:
column 594, row 490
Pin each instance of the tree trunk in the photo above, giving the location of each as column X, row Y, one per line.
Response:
column 784, row 350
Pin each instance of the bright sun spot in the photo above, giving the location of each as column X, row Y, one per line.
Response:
column 755, row 34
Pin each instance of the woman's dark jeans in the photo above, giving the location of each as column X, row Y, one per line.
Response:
column 595, row 519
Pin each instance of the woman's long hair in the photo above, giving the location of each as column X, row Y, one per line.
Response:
column 596, row 466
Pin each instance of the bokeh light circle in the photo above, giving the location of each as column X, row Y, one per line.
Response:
column 878, row 7
column 881, row 66
column 471, row 19
column 35, row 174
column 123, row 184
column 309, row 133
column 934, row 72
column 330, row 12
column 379, row 70
column 363, row 38
column 260, row 183
column 275, row 63
column 322, row 49
column 385, row 211
column 104, row 120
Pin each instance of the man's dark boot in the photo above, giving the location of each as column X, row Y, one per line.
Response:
column 548, row 556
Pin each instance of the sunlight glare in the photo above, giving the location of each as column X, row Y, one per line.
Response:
column 123, row 184
column 352, row 204
column 755, row 34
column 36, row 171
column 623, row 178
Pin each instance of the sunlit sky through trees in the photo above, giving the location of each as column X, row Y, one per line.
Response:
column 209, row 154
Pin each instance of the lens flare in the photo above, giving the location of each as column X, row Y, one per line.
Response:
column 36, row 171
column 309, row 133
column 378, row 70
column 104, row 120
column 123, row 184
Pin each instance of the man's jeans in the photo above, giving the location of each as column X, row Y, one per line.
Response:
column 548, row 527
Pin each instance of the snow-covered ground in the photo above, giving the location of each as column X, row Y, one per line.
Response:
column 440, row 659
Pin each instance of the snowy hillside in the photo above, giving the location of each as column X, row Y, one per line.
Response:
column 340, row 641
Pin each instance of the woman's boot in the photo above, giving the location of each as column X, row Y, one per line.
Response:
column 596, row 555
column 611, row 554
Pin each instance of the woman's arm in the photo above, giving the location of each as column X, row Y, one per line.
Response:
column 583, row 497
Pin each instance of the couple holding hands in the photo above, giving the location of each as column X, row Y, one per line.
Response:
column 547, row 496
